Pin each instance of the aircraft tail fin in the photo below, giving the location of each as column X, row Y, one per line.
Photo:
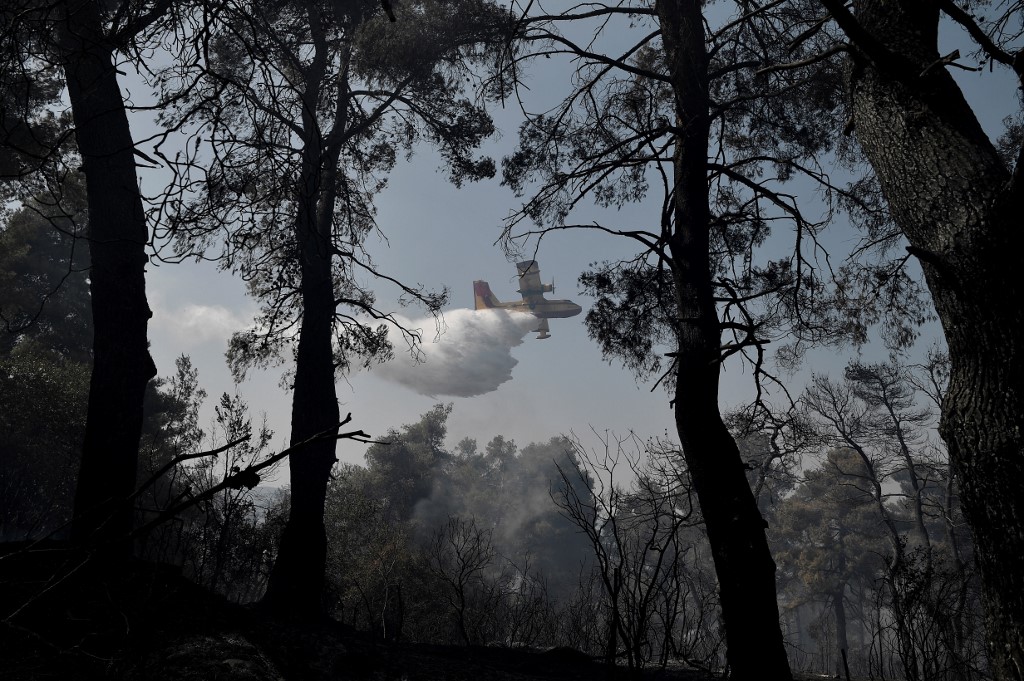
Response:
column 482, row 296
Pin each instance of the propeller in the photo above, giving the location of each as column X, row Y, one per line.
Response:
column 552, row 284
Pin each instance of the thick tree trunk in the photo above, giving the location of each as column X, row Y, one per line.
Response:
column 743, row 563
column 296, row 585
column 960, row 208
column 117, row 239
column 297, row 581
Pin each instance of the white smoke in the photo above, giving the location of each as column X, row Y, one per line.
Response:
column 471, row 356
column 192, row 324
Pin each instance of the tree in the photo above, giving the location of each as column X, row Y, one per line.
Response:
column 118, row 235
column 375, row 571
column 79, row 38
column 302, row 109
column 44, row 360
column 46, row 351
column 224, row 543
column 417, row 505
column 956, row 197
column 42, row 420
column 884, row 482
column 405, row 465
column 680, row 109
column 636, row 535
column 459, row 554
column 378, row 535
column 44, row 265
column 828, row 546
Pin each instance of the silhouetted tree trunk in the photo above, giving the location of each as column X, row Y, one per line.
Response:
column 743, row 563
column 117, row 238
column 842, row 640
column 960, row 206
column 297, row 581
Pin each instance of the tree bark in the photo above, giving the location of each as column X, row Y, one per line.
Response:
column 297, row 580
column 118, row 235
column 743, row 563
column 960, row 208
column 296, row 585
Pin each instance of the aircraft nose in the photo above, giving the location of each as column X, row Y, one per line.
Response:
column 576, row 309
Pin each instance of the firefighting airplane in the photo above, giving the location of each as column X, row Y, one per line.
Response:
column 534, row 302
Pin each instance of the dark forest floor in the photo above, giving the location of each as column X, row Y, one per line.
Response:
column 149, row 624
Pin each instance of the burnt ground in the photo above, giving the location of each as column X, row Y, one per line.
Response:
column 68, row 621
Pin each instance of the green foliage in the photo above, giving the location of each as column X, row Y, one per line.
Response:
column 485, row 554
column 45, row 367
column 509, row 491
column 382, row 521
column 827, row 536
column 44, row 263
column 42, row 423
column 171, row 413
column 228, row 541
column 632, row 317
column 33, row 135
column 871, row 544
column 45, row 360
column 402, row 468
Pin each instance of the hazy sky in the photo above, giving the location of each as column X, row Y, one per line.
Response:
column 440, row 236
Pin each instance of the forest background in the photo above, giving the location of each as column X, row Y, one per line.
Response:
column 898, row 461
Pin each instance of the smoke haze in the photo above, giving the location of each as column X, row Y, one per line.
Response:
column 472, row 355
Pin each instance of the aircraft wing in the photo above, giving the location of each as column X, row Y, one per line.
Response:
column 530, row 286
